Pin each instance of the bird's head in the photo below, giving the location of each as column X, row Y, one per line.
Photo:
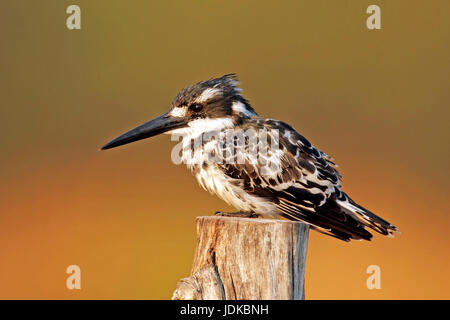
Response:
column 208, row 105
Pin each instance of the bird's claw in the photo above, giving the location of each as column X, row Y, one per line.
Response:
column 237, row 214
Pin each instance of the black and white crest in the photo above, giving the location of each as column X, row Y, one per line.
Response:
column 214, row 98
column 223, row 87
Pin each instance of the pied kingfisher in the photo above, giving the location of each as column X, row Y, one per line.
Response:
column 306, row 187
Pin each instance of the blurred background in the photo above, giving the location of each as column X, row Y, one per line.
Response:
column 376, row 100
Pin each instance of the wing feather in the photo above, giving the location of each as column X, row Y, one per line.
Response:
column 303, row 183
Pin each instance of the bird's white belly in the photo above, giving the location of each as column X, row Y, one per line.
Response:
column 228, row 189
column 213, row 179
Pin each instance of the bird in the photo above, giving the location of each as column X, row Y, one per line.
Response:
column 297, row 181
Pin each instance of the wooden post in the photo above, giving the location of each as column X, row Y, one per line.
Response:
column 246, row 259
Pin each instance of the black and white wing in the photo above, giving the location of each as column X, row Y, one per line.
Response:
column 304, row 185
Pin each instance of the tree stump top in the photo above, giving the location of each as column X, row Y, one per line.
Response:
column 246, row 258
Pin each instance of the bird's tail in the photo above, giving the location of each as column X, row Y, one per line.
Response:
column 329, row 219
column 366, row 217
column 340, row 218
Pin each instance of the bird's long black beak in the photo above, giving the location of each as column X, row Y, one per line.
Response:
column 159, row 125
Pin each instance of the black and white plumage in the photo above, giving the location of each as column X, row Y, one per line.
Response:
column 305, row 185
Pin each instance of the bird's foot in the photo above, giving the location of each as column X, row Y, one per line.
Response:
column 237, row 214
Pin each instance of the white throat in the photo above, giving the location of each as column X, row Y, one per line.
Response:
column 198, row 127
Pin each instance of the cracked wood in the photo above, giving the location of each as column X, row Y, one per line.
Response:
column 246, row 259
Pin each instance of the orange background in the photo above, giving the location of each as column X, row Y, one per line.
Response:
column 378, row 101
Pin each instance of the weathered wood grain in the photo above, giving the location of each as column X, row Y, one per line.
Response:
column 248, row 259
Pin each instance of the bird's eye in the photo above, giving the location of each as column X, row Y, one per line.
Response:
column 196, row 107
